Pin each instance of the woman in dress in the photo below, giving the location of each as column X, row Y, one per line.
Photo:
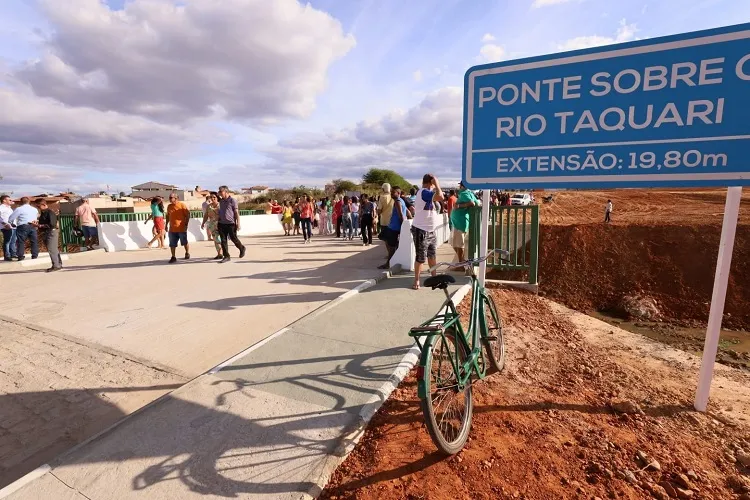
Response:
column 157, row 215
column 287, row 219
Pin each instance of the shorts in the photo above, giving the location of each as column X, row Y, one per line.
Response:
column 458, row 238
column 89, row 231
column 425, row 243
column 174, row 238
column 390, row 236
column 159, row 223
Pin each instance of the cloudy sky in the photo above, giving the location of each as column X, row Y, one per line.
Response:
column 245, row 92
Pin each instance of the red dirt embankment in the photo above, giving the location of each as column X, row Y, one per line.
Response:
column 592, row 266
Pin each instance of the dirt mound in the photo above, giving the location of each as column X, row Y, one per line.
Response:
column 548, row 426
column 594, row 266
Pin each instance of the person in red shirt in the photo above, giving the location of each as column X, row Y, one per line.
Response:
column 450, row 203
column 337, row 206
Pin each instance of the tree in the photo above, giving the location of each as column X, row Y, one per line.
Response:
column 343, row 185
column 379, row 176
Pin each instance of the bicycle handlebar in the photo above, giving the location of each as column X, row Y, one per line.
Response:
column 472, row 262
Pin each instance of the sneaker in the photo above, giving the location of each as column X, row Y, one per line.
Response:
column 187, row 256
column 53, row 269
column 242, row 252
column 384, row 266
column 219, row 257
column 225, row 259
column 173, row 260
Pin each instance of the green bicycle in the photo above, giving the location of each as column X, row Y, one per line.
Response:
column 451, row 359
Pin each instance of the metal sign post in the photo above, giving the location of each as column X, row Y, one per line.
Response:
column 723, row 263
column 666, row 112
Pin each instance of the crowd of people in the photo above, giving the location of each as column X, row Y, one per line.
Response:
column 348, row 217
column 343, row 217
column 26, row 223
column 221, row 220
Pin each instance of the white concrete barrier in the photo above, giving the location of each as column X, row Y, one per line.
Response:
column 405, row 254
column 120, row 236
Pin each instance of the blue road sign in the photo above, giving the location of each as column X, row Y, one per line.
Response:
column 671, row 111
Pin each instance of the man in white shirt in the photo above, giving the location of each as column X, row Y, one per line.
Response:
column 9, row 232
column 424, row 225
column 608, row 211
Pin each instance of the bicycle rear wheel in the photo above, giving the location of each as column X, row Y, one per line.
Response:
column 493, row 342
column 447, row 409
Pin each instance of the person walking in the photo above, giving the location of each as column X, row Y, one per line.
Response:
column 204, row 206
column 608, row 212
column 460, row 220
column 337, row 222
column 306, row 215
column 346, row 218
column 355, row 216
column 424, row 225
column 157, row 215
column 50, row 235
column 87, row 219
column 211, row 222
column 385, row 207
column 24, row 218
column 287, row 218
column 229, row 223
column 392, row 232
column 178, row 218
column 367, row 223
column 296, row 216
column 8, row 231
column 323, row 212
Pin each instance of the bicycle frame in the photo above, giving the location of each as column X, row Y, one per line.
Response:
column 448, row 317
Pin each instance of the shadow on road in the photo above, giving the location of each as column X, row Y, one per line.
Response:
column 35, row 427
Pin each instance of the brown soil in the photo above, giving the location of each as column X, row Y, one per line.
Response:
column 641, row 207
column 545, row 428
column 592, row 266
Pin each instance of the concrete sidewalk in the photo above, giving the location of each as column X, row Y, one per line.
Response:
column 272, row 424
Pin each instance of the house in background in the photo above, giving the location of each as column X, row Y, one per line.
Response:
column 255, row 191
column 193, row 198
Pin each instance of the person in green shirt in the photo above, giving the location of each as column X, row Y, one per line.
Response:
column 460, row 219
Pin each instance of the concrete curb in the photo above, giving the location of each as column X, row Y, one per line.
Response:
column 43, row 260
column 45, row 468
column 350, row 440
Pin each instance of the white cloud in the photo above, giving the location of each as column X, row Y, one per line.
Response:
column 425, row 137
column 491, row 52
column 625, row 33
column 488, row 37
column 417, row 76
column 546, row 3
column 174, row 61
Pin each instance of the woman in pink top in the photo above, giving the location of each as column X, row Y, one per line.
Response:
column 306, row 215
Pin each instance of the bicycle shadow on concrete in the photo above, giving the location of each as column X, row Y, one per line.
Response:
column 344, row 273
column 205, row 438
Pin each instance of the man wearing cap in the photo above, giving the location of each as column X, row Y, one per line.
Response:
column 460, row 220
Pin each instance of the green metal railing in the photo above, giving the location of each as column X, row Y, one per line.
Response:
column 67, row 238
column 142, row 216
column 511, row 228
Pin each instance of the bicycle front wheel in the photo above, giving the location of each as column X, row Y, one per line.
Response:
column 492, row 335
column 447, row 409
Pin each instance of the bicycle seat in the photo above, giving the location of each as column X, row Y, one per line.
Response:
column 439, row 281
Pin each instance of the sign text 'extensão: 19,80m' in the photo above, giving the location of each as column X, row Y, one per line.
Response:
column 671, row 111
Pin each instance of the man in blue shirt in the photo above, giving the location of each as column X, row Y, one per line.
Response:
column 9, row 232
column 24, row 219
column 391, row 233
